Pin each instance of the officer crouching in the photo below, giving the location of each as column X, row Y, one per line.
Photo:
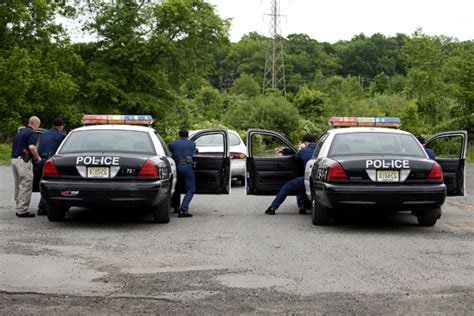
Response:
column 23, row 151
column 183, row 150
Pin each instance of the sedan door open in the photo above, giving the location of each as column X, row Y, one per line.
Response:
column 270, row 162
column 212, row 167
column 450, row 152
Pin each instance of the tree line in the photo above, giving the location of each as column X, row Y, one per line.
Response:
column 173, row 60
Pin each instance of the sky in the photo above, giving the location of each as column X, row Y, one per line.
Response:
column 334, row 20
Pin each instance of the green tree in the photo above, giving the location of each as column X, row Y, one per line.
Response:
column 146, row 52
column 424, row 58
column 267, row 112
column 36, row 65
column 245, row 85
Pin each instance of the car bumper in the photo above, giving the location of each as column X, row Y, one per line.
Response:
column 237, row 168
column 120, row 194
column 386, row 197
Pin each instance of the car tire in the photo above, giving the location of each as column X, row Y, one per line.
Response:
column 427, row 217
column 56, row 213
column 319, row 214
column 241, row 180
column 162, row 212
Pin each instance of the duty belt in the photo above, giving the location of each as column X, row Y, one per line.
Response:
column 185, row 161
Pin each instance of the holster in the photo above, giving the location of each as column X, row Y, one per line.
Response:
column 26, row 157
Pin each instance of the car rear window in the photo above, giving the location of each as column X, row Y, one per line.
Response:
column 214, row 140
column 120, row 141
column 362, row 144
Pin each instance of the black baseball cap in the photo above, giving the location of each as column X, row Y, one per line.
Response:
column 309, row 138
column 58, row 122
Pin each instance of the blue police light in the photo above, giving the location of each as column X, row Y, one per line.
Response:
column 388, row 122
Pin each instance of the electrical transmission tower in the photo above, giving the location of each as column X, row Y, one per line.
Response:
column 274, row 74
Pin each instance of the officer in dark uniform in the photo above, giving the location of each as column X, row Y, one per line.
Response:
column 430, row 152
column 23, row 151
column 183, row 150
column 305, row 153
column 49, row 143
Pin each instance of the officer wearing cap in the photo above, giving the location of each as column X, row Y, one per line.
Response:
column 183, row 150
column 23, row 150
column 305, row 153
column 49, row 143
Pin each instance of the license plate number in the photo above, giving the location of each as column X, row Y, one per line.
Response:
column 388, row 176
column 98, row 172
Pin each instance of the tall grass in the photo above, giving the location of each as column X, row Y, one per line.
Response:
column 5, row 154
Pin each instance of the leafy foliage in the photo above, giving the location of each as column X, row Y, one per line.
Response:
column 173, row 59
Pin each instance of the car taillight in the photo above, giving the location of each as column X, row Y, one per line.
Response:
column 436, row 173
column 337, row 173
column 49, row 169
column 238, row 156
column 148, row 170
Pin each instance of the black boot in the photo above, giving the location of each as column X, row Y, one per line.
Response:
column 302, row 209
column 270, row 211
column 183, row 213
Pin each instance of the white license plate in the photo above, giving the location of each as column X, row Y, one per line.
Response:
column 98, row 172
column 388, row 176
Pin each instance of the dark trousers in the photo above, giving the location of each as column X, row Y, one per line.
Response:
column 297, row 184
column 186, row 184
column 42, row 202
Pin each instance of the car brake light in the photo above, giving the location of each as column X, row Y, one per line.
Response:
column 49, row 169
column 148, row 170
column 238, row 156
column 337, row 173
column 436, row 173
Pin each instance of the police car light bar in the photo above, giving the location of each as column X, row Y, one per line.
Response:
column 88, row 119
column 337, row 121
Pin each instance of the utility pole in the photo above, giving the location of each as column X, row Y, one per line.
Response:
column 274, row 74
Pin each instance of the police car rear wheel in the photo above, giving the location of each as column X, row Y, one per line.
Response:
column 319, row 214
column 427, row 217
column 56, row 213
column 162, row 212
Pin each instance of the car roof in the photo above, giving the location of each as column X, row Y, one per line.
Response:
column 348, row 130
column 114, row 127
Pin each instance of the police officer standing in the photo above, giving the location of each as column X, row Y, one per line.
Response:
column 49, row 143
column 23, row 150
column 305, row 153
column 183, row 150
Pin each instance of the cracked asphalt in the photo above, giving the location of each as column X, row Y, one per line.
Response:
column 230, row 258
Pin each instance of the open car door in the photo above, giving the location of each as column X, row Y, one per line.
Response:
column 450, row 152
column 212, row 163
column 270, row 162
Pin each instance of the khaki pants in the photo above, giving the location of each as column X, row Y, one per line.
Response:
column 23, row 176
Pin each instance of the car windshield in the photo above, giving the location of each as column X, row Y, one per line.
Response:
column 121, row 141
column 370, row 143
column 215, row 140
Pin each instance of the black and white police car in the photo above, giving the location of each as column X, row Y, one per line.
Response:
column 117, row 163
column 364, row 165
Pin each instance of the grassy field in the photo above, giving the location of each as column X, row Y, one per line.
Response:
column 5, row 154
